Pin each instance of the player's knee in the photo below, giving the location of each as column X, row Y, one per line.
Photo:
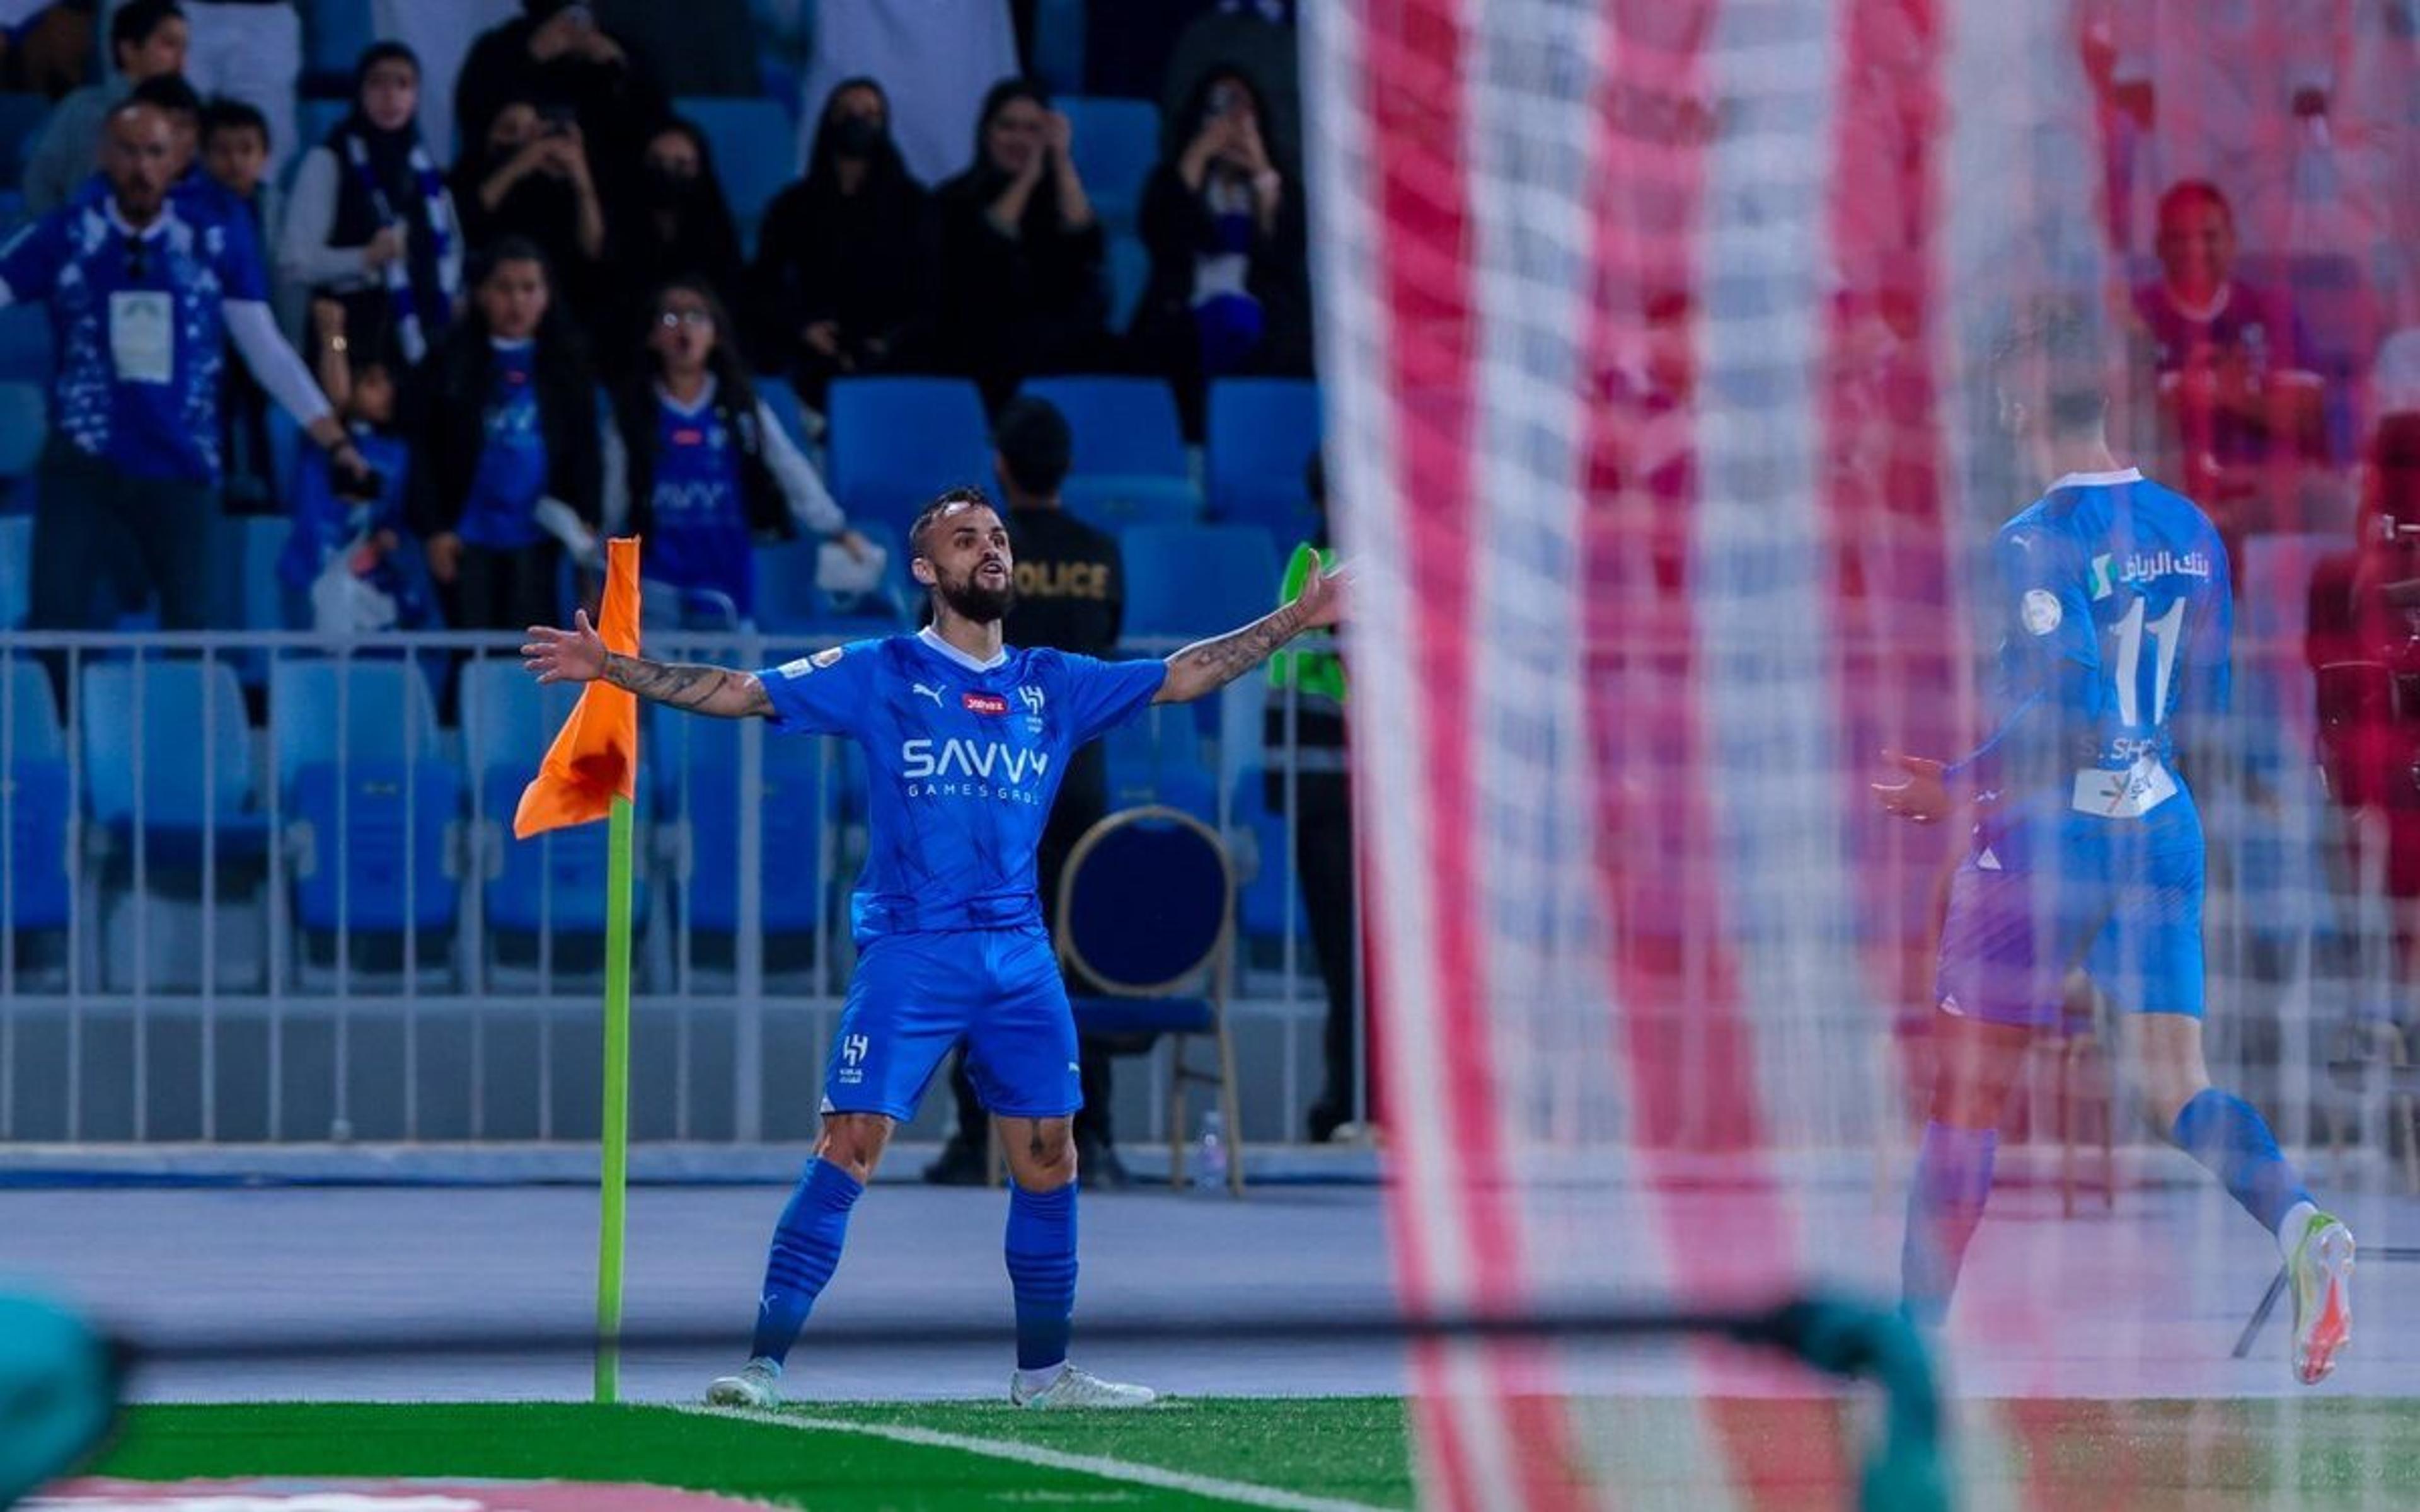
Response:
column 1043, row 1153
column 854, row 1142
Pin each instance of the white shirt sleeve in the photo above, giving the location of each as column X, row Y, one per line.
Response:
column 304, row 258
column 274, row 365
column 614, row 459
column 810, row 503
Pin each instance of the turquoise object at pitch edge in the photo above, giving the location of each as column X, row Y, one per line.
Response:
column 58, row 1393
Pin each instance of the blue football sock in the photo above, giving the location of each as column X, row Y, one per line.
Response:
column 1042, row 1273
column 2228, row 1135
column 806, row 1247
column 1953, row 1180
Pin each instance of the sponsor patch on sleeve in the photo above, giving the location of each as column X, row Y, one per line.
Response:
column 2040, row 611
column 806, row 664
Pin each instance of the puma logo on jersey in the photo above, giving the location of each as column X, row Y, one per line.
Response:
column 933, row 693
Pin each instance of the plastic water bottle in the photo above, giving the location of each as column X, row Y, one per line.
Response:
column 1210, row 1159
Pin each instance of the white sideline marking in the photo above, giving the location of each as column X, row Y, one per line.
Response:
column 1243, row 1493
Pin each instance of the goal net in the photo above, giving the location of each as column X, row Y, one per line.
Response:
column 1658, row 338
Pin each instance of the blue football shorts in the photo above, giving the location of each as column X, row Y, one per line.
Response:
column 2121, row 900
column 916, row 994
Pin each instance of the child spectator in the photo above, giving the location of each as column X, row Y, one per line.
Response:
column 147, row 38
column 235, row 154
column 352, row 558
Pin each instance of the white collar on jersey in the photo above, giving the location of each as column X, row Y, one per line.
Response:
column 933, row 639
column 705, row 398
column 117, row 222
column 2098, row 479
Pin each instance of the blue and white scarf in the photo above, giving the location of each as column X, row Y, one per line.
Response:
column 411, row 334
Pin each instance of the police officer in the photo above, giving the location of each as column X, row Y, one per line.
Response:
column 1071, row 596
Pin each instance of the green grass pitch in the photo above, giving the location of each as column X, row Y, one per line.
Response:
column 2315, row 1451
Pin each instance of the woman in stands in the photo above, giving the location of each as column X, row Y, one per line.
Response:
column 532, row 177
column 504, row 475
column 682, row 229
column 1021, row 253
column 699, row 468
column 1229, row 290
column 370, row 223
column 845, row 263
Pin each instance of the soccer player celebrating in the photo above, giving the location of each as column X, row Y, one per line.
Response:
column 2087, row 846
column 968, row 739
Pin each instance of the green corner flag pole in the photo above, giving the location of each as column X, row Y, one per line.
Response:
column 613, row 1179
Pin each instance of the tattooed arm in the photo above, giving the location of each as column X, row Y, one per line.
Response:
column 578, row 656
column 1207, row 666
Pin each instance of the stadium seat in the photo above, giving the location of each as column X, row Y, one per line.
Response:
column 1129, row 467
column 245, row 581
column 754, row 152
column 167, row 749
column 1158, row 759
column 21, row 116
column 782, row 400
column 335, row 35
column 1058, row 57
column 1260, row 437
column 1147, row 912
column 1129, row 275
column 314, row 119
column 1116, row 145
column 26, row 349
column 1189, row 580
column 697, row 793
column 556, row 879
column 25, row 428
column 37, row 889
column 15, row 569
column 896, row 442
column 356, row 708
column 509, row 719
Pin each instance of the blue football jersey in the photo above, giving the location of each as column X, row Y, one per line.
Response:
column 2118, row 615
column 962, row 762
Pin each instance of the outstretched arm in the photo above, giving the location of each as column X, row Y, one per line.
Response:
column 578, row 656
column 1207, row 666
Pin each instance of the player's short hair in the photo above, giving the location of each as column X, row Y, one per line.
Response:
column 943, row 503
column 1034, row 444
column 168, row 92
column 135, row 20
column 2053, row 356
column 2186, row 192
column 225, row 114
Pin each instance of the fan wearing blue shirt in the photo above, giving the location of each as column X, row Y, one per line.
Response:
column 2115, row 619
column 967, row 740
column 145, row 293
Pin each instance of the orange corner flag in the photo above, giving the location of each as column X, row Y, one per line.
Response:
column 595, row 755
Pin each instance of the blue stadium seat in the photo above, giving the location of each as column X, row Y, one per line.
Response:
column 782, row 400
column 1129, row 275
column 755, row 152
column 1158, row 758
column 21, row 116
column 26, row 349
column 314, row 119
column 1197, row 579
column 1129, row 465
column 37, row 889
column 15, row 569
column 1260, row 437
column 896, row 442
column 1261, row 900
column 369, row 801
column 335, row 35
column 359, row 708
column 696, row 787
column 25, row 428
column 556, row 878
column 1058, row 57
column 193, row 750
column 1116, row 145
column 509, row 717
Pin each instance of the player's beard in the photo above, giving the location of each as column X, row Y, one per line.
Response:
column 969, row 599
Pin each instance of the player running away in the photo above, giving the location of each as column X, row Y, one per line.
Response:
column 968, row 738
column 2087, row 847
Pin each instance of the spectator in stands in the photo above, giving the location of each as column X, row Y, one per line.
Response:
column 531, row 179
column 681, row 229
column 506, row 474
column 697, row 464
column 235, row 154
column 936, row 56
column 440, row 33
column 146, row 38
column 252, row 51
column 555, row 56
column 1304, row 732
column 371, row 224
column 697, row 47
column 1021, row 289
column 1255, row 38
column 144, row 298
column 2232, row 388
column 1071, row 596
column 352, row 560
column 1230, row 288
column 845, row 262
